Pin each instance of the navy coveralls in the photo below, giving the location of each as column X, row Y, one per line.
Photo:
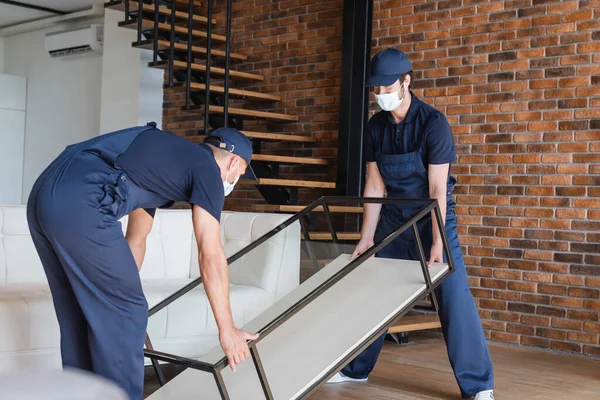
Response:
column 73, row 214
column 398, row 151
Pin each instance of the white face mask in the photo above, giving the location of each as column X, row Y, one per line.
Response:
column 228, row 187
column 389, row 101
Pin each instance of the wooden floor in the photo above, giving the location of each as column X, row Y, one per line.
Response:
column 420, row 370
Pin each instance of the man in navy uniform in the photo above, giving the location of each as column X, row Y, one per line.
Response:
column 408, row 147
column 92, row 267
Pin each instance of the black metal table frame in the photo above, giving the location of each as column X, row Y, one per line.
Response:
column 427, row 206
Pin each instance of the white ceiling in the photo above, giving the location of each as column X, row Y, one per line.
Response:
column 14, row 15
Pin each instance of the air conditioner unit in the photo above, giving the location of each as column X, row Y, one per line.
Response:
column 87, row 39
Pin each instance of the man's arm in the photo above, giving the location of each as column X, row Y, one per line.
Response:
column 213, row 265
column 214, row 272
column 438, row 181
column 138, row 228
column 374, row 187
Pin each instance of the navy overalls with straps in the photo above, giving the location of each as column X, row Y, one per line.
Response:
column 406, row 176
column 73, row 214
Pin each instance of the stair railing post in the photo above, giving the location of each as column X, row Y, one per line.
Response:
column 189, row 56
column 172, row 44
column 155, row 34
column 227, row 50
column 127, row 16
column 140, row 18
column 207, row 78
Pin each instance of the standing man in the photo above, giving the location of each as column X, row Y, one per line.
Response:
column 92, row 268
column 409, row 148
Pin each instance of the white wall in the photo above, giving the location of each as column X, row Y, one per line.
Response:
column 73, row 99
column 1, row 54
column 63, row 99
column 13, row 91
column 132, row 93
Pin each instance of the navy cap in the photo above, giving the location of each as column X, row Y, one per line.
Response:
column 235, row 142
column 387, row 67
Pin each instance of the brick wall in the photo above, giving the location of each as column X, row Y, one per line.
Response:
column 519, row 81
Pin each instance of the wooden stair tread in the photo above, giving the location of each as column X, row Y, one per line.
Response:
column 266, row 136
column 148, row 24
column 295, row 209
column 254, row 114
column 165, row 44
column 236, row 92
column 133, row 6
column 290, row 182
column 327, row 236
column 418, row 322
column 289, row 159
column 213, row 70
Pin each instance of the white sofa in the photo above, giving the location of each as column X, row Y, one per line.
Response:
column 29, row 335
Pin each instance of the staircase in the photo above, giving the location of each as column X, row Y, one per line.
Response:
column 199, row 64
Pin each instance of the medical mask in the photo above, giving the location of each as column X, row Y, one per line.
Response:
column 228, row 187
column 389, row 101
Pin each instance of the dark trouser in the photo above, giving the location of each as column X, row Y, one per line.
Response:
column 95, row 284
column 461, row 326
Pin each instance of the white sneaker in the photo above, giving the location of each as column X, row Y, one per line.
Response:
column 485, row 395
column 339, row 377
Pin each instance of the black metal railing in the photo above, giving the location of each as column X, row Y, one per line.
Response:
column 427, row 206
column 170, row 53
column 227, row 62
column 208, row 66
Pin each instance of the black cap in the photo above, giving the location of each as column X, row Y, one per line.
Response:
column 387, row 67
column 235, row 142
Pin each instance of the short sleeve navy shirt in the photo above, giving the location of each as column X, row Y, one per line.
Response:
column 424, row 128
column 176, row 169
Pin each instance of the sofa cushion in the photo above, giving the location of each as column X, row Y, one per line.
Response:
column 168, row 246
column 28, row 320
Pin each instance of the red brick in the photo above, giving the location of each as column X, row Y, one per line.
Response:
column 535, row 342
column 550, row 224
column 566, row 324
column 570, row 214
column 578, row 16
column 568, row 280
column 592, row 281
column 521, row 329
column 551, row 333
column 506, row 295
column 507, row 274
column 582, row 337
column 566, row 302
column 583, row 315
column 591, row 327
column 538, row 255
column 565, row 346
column 493, row 325
column 591, row 351
column 561, row 28
column 522, row 286
column 551, row 311
column 591, row 304
column 505, row 337
column 563, row 7
column 507, row 232
column 517, row 24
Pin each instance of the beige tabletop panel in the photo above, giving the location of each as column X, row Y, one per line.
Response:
column 308, row 345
